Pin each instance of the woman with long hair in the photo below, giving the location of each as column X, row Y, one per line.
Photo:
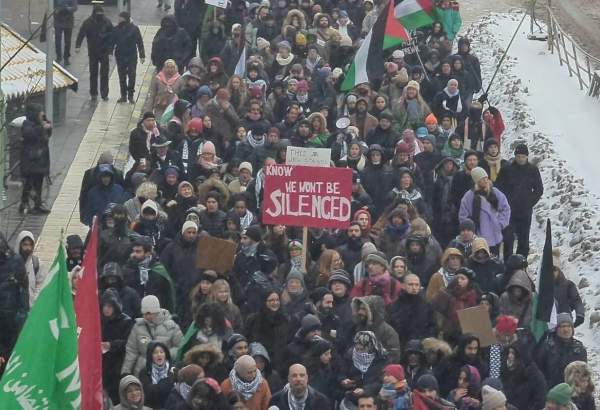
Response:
column 411, row 109
column 220, row 292
column 329, row 261
column 238, row 93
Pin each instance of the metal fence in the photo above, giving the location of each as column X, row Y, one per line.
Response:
column 578, row 61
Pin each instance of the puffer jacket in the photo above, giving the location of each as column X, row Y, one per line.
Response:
column 524, row 311
column 554, row 354
column 163, row 330
column 215, row 367
column 376, row 323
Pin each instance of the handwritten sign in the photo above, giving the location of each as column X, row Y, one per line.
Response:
column 312, row 157
column 307, row 196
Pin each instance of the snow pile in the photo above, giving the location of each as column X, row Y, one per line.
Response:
column 543, row 107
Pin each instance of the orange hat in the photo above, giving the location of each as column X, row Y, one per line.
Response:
column 431, row 120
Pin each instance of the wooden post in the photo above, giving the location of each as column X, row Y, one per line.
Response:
column 577, row 65
column 589, row 70
column 556, row 36
column 304, row 246
column 562, row 39
column 550, row 40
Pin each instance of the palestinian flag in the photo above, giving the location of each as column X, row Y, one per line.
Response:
column 414, row 14
column 368, row 61
column 543, row 303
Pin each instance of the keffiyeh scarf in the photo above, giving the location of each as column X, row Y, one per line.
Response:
column 295, row 403
column 362, row 361
column 247, row 390
column 159, row 372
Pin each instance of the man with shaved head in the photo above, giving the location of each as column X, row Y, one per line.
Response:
column 411, row 315
column 297, row 394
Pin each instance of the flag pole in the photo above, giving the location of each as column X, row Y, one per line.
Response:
column 416, row 45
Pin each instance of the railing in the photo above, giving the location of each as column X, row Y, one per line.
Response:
column 578, row 61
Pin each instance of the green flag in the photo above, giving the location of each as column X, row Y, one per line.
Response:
column 43, row 370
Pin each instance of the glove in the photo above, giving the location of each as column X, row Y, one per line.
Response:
column 483, row 98
column 578, row 321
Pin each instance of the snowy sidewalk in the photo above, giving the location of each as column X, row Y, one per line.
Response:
column 108, row 130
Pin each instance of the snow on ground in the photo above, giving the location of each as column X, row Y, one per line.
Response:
column 544, row 107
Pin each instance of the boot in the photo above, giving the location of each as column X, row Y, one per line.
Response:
column 130, row 98
column 40, row 210
column 67, row 62
column 122, row 99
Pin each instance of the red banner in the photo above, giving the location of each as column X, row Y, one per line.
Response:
column 307, row 196
column 88, row 322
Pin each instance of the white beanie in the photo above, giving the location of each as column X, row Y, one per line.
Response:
column 245, row 165
column 478, row 173
column 150, row 304
column 187, row 225
column 492, row 398
column 398, row 54
column 150, row 204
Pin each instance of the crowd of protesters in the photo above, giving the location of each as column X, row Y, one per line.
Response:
column 369, row 318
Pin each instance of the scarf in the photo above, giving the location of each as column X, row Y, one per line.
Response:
column 151, row 135
column 169, row 82
column 422, row 402
column 249, row 250
column 247, row 390
column 295, row 403
column 284, row 61
column 495, row 360
column 413, row 109
column 310, row 65
column 144, row 267
column 253, row 141
column 448, row 276
column 246, row 220
column 362, row 361
column 260, row 179
column 458, row 104
column 296, row 263
column 159, row 372
column 494, row 164
column 396, row 232
column 184, row 390
column 477, row 198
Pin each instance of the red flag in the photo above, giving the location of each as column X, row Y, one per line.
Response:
column 88, row 321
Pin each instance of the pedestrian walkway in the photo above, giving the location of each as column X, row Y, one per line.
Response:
column 108, row 130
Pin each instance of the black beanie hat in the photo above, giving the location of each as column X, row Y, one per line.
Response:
column 235, row 339
column 521, row 149
column 253, row 232
column 427, row 381
column 318, row 346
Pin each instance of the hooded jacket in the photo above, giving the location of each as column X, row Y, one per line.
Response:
column 99, row 32
column 98, row 197
column 128, row 42
column 35, row 152
column 486, row 272
column 128, row 299
column 426, row 261
column 156, row 394
column 376, row 323
column 554, row 354
column 171, row 41
column 522, row 311
column 215, row 367
column 524, row 384
column 162, row 329
column 125, row 405
column 35, row 277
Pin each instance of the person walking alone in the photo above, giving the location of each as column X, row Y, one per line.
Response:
column 64, row 20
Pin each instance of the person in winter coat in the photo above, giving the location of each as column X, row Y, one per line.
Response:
column 524, row 384
column 559, row 397
column 485, row 266
column 379, row 281
column 190, row 16
column 361, row 119
column 460, row 294
column 559, row 348
column 128, row 44
column 364, row 364
column 467, row 394
column 442, row 204
column 395, row 230
column 411, row 315
column 487, row 207
column 156, row 325
column 300, row 344
column 566, row 295
column 427, row 161
column 64, row 21
column 492, row 160
column 350, row 250
column 99, row 32
column 452, row 261
column 368, row 314
column 427, row 395
column 522, row 184
column 406, row 189
column 131, row 394
column 112, row 277
column 187, row 378
column 248, row 381
column 297, row 393
column 411, row 109
column 90, row 178
column 209, row 326
column 423, row 256
column 35, row 157
column 214, row 42
column 210, row 357
column 104, row 193
column 578, row 375
column 24, row 246
column 158, row 376
column 323, row 365
column 468, row 83
column 450, row 100
column 468, row 352
column 222, row 113
column 471, row 62
column 414, row 362
column 376, row 178
column 340, row 285
column 384, row 135
column 115, row 326
column 171, row 42
column 518, row 298
column 162, row 89
column 179, row 258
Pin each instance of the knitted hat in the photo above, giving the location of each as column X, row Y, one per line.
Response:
column 148, row 114
column 284, row 44
column 189, row 374
column 521, row 149
column 245, row 165
column 233, row 340
column 564, row 318
column 492, row 398
column 469, row 273
column 375, row 258
column 386, row 114
column 195, row 125
column 431, row 120
column 172, row 170
column 188, row 225
column 427, row 381
column 477, row 174
column 421, row 132
column 150, row 304
column 318, row 346
column 402, row 147
column 309, row 323
column 149, row 204
column 341, row 276
column 560, row 394
column 253, row 232
column 295, row 274
column 302, row 86
column 507, row 324
column 367, row 249
column 413, row 84
column 467, row 225
column 394, row 370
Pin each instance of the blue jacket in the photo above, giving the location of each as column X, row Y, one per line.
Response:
column 98, row 199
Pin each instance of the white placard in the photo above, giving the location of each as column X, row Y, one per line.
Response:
column 312, row 157
column 218, row 3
